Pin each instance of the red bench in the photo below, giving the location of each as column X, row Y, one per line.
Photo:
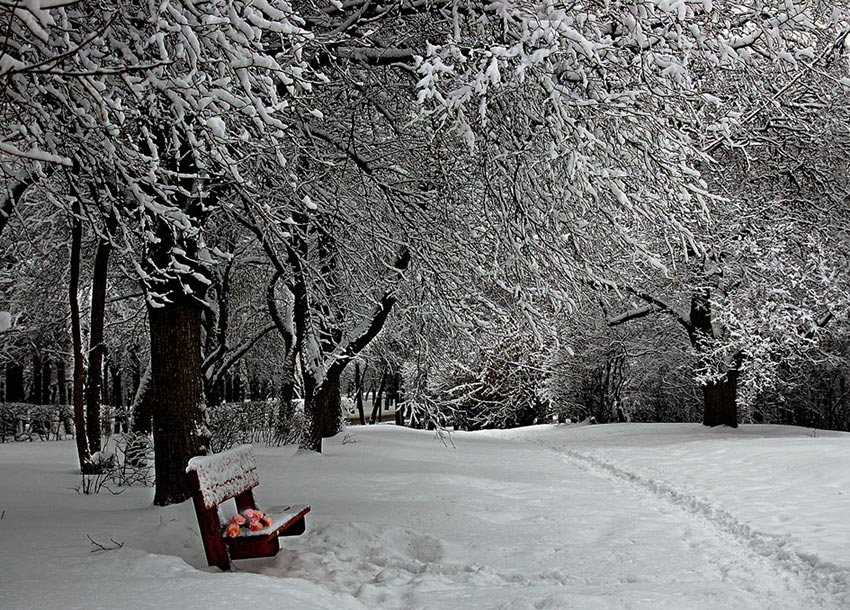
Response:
column 216, row 478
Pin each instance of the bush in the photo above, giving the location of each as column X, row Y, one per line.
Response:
column 256, row 421
column 503, row 387
column 26, row 422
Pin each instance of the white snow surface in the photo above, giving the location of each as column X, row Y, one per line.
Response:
column 631, row 516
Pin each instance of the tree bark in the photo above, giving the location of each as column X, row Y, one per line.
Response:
column 377, row 399
column 61, row 381
column 720, row 403
column 35, row 389
column 287, row 393
column 46, row 375
column 15, row 382
column 96, row 345
column 80, row 435
column 330, row 402
column 176, row 395
column 358, row 389
column 117, row 386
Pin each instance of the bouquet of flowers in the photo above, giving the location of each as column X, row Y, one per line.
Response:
column 249, row 518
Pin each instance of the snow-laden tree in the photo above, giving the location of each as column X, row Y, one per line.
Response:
column 770, row 274
column 148, row 109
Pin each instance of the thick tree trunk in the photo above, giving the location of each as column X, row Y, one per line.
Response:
column 176, row 394
column 311, row 439
column 720, row 402
column 331, row 405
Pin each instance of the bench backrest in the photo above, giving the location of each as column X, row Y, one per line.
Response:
column 225, row 475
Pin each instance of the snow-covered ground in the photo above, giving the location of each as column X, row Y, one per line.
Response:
column 661, row 517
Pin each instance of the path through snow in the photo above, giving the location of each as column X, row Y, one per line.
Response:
column 517, row 527
column 815, row 583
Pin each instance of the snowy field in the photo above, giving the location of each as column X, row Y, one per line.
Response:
column 655, row 517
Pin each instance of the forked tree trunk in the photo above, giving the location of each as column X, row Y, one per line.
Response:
column 176, row 395
column 720, row 403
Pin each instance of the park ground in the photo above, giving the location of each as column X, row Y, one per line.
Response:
column 631, row 516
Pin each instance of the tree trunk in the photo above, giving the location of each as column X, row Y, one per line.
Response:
column 15, row 382
column 311, row 438
column 176, row 394
column 80, row 435
column 96, row 346
column 46, row 375
column 377, row 399
column 135, row 370
column 358, row 389
column 141, row 420
column 287, row 393
column 61, row 381
column 117, row 386
column 720, row 403
column 35, row 388
column 331, row 405
column 141, row 414
column 237, row 388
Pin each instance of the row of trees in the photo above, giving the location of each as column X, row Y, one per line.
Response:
column 200, row 184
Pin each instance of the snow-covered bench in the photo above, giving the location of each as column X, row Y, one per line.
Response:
column 215, row 479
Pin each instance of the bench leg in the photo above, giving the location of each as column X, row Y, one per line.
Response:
column 296, row 529
column 214, row 546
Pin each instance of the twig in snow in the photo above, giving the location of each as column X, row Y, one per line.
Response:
column 103, row 547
